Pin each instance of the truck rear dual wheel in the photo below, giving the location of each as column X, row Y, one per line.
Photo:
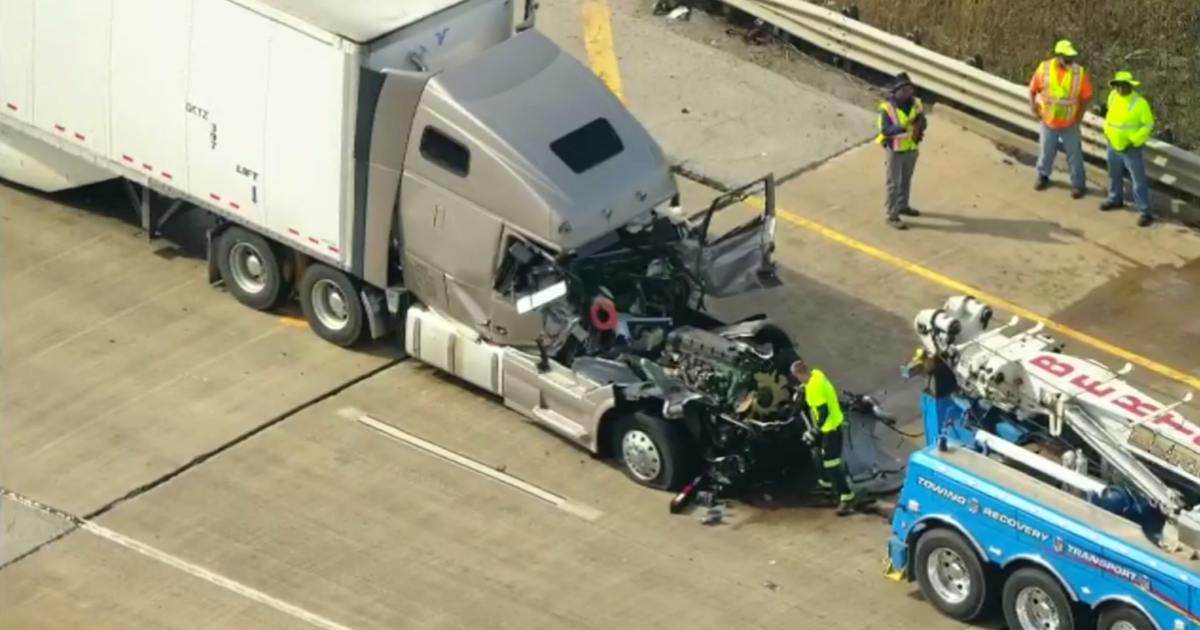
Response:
column 1034, row 600
column 331, row 305
column 655, row 452
column 1123, row 618
column 952, row 576
column 251, row 269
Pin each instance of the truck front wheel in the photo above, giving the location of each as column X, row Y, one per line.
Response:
column 654, row 452
column 250, row 268
column 951, row 575
column 331, row 305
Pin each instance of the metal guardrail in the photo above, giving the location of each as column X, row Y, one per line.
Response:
column 955, row 80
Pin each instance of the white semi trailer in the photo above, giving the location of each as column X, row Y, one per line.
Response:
column 434, row 169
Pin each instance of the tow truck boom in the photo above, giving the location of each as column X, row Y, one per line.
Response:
column 1020, row 386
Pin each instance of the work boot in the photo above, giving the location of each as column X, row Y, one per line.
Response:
column 897, row 223
column 1110, row 205
column 1042, row 183
column 910, row 212
column 1079, row 193
column 845, row 508
column 1145, row 220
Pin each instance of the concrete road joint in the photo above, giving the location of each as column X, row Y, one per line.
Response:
column 429, row 448
column 175, row 562
column 203, row 457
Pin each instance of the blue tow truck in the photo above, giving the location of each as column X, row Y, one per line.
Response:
column 1031, row 500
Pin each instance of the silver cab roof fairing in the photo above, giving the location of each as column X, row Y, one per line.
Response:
column 518, row 98
column 361, row 20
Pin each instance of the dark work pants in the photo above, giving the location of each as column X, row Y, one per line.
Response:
column 834, row 469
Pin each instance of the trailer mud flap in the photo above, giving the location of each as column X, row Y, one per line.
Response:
column 210, row 252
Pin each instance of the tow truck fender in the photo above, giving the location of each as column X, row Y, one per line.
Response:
column 901, row 551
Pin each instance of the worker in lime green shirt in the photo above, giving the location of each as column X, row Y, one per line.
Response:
column 821, row 397
column 1128, row 121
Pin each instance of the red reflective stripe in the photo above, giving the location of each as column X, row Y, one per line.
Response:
column 894, row 117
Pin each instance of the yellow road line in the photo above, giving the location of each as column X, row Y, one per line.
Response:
column 996, row 301
column 295, row 322
column 597, row 36
column 598, row 40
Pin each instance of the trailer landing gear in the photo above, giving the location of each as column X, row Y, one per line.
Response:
column 151, row 210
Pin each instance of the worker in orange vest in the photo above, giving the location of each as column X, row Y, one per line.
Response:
column 1059, row 93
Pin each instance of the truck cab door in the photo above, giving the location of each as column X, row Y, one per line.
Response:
column 733, row 258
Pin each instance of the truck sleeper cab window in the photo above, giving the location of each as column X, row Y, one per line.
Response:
column 588, row 146
column 446, row 152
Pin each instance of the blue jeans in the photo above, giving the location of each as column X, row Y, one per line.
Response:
column 1133, row 161
column 1071, row 139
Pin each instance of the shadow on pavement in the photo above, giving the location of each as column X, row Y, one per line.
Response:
column 1027, row 230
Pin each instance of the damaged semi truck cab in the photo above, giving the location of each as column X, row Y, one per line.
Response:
column 436, row 170
column 543, row 254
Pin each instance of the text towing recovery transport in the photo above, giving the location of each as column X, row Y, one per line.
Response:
column 978, row 536
column 434, row 170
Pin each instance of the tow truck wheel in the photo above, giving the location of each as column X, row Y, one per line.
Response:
column 1123, row 618
column 951, row 575
column 331, row 305
column 251, row 270
column 1033, row 600
column 654, row 452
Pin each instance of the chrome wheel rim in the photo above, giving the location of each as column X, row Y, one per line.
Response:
column 249, row 270
column 949, row 576
column 1036, row 611
column 641, row 456
column 330, row 305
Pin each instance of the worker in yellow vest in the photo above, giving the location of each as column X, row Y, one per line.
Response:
column 901, row 128
column 1128, row 121
column 825, row 410
column 1059, row 93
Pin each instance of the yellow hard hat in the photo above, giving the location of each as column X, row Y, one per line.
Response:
column 1124, row 76
column 1065, row 48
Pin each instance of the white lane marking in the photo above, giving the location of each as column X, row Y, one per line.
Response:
column 182, row 565
column 576, row 509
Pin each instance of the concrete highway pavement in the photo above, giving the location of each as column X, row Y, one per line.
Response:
column 234, row 486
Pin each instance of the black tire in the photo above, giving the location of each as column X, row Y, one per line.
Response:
column 943, row 547
column 1113, row 615
column 260, row 291
column 1042, row 589
column 677, row 460
column 344, row 328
